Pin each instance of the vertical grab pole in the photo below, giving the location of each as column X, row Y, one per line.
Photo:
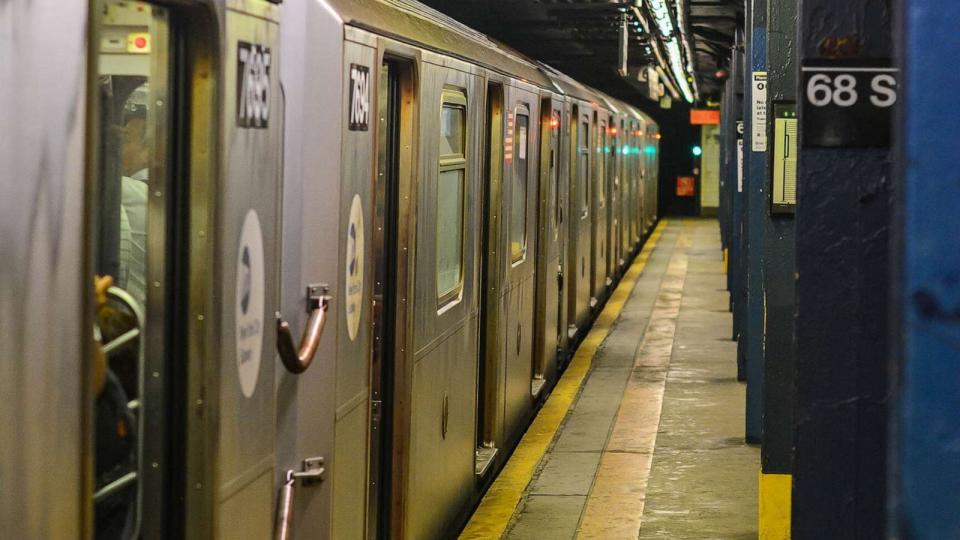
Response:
column 285, row 508
column 312, row 474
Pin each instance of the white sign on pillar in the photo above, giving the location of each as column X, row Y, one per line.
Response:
column 759, row 126
column 740, row 156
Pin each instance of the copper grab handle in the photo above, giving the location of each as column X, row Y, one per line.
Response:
column 298, row 360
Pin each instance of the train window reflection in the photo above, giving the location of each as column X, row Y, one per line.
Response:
column 602, row 149
column 449, row 219
column 518, row 203
column 128, row 149
column 583, row 179
column 554, row 177
column 451, row 127
column 451, row 188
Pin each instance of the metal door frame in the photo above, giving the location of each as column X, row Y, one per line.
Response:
column 193, row 33
column 385, row 504
column 489, row 406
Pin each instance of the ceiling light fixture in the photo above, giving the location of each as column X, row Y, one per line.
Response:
column 675, row 42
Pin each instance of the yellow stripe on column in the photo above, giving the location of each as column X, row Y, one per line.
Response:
column 775, row 500
column 498, row 505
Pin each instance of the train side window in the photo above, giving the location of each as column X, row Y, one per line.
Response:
column 583, row 164
column 518, row 201
column 451, row 189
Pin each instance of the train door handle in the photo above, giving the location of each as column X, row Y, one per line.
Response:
column 295, row 359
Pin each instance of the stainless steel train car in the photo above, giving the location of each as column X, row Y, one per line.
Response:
column 301, row 270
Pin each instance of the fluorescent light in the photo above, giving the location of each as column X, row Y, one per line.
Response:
column 661, row 16
column 677, row 68
column 674, row 40
column 687, row 49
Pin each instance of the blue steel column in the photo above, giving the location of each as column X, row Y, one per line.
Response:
column 731, row 104
column 842, row 330
column 755, row 188
column 725, row 184
column 776, row 454
column 779, row 243
column 728, row 142
column 737, row 280
column 926, row 460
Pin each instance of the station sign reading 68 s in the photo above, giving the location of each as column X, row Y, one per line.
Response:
column 848, row 103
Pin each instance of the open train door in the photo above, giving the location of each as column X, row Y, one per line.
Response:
column 184, row 221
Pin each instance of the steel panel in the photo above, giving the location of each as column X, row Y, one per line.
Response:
column 549, row 242
column 251, row 182
column 518, row 288
column 600, row 208
column 579, row 261
column 440, row 469
column 563, row 184
column 312, row 79
column 45, row 465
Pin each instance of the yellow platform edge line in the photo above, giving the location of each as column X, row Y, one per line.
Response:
column 491, row 518
column 774, row 511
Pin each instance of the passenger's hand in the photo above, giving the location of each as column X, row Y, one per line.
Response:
column 100, row 285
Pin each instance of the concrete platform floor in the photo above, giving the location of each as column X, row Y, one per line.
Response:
column 652, row 446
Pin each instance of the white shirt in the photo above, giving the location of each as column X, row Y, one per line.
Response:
column 133, row 234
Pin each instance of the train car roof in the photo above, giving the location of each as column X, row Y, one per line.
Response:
column 412, row 22
column 569, row 86
column 635, row 112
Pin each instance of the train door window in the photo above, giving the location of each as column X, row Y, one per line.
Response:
column 583, row 176
column 602, row 149
column 133, row 72
column 519, row 189
column 554, row 174
column 451, row 188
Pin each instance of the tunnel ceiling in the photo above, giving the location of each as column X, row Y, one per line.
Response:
column 580, row 37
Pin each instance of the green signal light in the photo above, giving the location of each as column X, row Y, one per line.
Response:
column 697, row 151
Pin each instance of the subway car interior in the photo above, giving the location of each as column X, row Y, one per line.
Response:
column 479, row 269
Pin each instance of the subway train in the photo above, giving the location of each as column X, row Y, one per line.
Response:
column 298, row 270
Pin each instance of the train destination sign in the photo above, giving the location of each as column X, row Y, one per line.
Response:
column 848, row 103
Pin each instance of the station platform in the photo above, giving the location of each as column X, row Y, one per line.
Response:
column 643, row 435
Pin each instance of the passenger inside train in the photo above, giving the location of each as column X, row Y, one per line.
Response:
column 121, row 304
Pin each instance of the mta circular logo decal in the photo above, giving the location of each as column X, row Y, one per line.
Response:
column 354, row 269
column 249, row 303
